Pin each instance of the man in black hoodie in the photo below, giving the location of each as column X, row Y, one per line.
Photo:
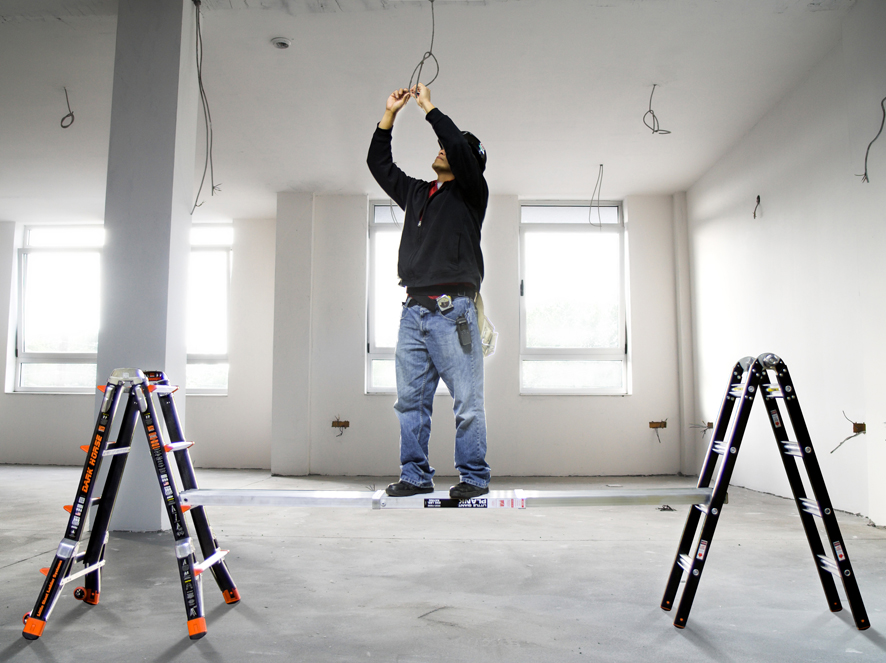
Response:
column 441, row 266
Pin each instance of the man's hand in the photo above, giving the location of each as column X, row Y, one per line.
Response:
column 422, row 97
column 395, row 102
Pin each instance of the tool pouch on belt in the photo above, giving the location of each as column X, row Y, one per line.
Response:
column 488, row 335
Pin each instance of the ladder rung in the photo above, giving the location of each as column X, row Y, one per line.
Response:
column 178, row 446
column 217, row 556
column 719, row 448
column 792, row 449
column 685, row 562
column 829, row 565
column 116, row 451
column 163, row 389
column 736, row 391
column 774, row 392
column 88, row 569
column 811, row 506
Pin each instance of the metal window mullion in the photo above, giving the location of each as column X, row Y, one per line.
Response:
column 20, row 322
column 208, row 358
column 582, row 354
column 622, row 303
column 57, row 358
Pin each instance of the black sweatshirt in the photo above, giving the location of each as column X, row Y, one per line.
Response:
column 440, row 243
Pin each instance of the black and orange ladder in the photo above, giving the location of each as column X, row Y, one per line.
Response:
column 138, row 389
column 752, row 377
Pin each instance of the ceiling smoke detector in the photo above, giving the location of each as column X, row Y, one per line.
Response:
column 281, row 42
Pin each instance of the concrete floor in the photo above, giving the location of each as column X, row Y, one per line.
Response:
column 567, row 584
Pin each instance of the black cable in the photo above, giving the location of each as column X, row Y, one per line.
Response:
column 864, row 177
column 207, row 118
column 429, row 54
column 70, row 112
column 598, row 190
column 756, row 207
column 654, row 126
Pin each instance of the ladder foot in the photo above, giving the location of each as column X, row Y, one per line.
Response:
column 33, row 628
column 232, row 596
column 89, row 596
column 196, row 628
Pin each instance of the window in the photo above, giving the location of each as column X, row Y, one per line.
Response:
column 208, row 291
column 573, row 327
column 58, row 308
column 385, row 297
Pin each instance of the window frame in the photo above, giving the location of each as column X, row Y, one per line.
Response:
column 620, row 353
column 21, row 356
column 374, row 352
column 213, row 358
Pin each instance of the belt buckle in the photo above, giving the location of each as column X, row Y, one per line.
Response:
column 444, row 302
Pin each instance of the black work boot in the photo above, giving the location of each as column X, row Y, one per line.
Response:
column 465, row 491
column 403, row 489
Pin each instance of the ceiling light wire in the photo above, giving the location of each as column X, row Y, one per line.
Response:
column 429, row 54
column 864, row 176
column 207, row 118
column 70, row 112
column 654, row 126
column 598, row 191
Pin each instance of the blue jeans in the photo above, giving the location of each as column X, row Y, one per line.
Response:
column 428, row 349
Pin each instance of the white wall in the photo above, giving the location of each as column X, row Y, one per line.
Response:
column 235, row 430
column 230, row 431
column 320, row 341
column 805, row 278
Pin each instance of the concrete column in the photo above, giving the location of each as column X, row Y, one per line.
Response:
column 147, row 219
column 690, row 439
column 291, row 406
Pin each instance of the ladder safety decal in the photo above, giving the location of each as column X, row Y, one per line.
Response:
column 702, row 547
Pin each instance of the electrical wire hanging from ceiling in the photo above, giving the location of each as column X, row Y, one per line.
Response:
column 70, row 114
column 207, row 119
column 429, row 55
column 598, row 190
column 654, row 126
column 864, row 176
column 415, row 79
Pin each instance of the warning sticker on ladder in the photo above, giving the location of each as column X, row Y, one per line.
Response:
column 776, row 420
column 702, row 548
column 839, row 550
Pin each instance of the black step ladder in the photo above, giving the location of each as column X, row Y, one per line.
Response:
column 138, row 389
column 751, row 377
